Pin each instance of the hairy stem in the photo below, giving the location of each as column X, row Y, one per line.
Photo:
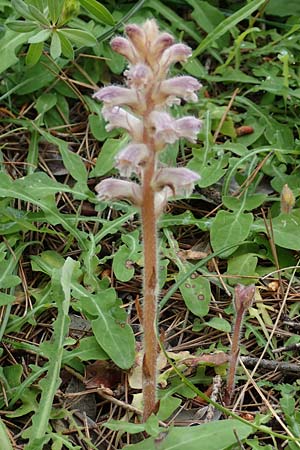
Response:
column 150, row 290
column 234, row 354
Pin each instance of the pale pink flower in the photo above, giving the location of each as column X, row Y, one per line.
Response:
column 125, row 48
column 131, row 159
column 175, row 53
column 120, row 118
column 188, row 127
column 117, row 95
column 183, row 87
column 114, row 189
column 138, row 76
column 163, row 41
column 161, row 199
column 138, row 38
column 180, row 180
column 168, row 130
column 164, row 127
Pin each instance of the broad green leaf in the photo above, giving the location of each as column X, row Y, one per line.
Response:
column 229, row 228
column 226, row 25
column 195, row 292
column 55, row 46
column 41, row 36
column 72, row 161
column 79, row 37
column 88, row 350
column 112, row 332
column 251, row 202
column 285, row 228
column 34, row 53
column 45, row 102
column 217, row 435
column 21, row 8
column 125, row 427
column 55, row 9
column 66, row 46
column 10, row 44
column 38, row 15
column 106, row 159
column 126, row 256
column 281, row 9
column 21, row 26
column 6, row 299
column 4, row 437
column 98, row 10
column 244, row 265
column 219, row 324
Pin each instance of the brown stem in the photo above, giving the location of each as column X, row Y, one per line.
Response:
column 235, row 350
column 150, row 289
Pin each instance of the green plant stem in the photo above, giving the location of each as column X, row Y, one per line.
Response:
column 150, row 288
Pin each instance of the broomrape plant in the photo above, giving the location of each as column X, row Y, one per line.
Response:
column 141, row 108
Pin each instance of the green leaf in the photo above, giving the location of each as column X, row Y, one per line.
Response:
column 4, row 437
column 125, row 427
column 21, row 26
column 112, row 332
column 21, row 8
column 55, row 46
column 195, row 292
column 72, row 161
column 42, row 36
column 55, row 9
column 66, row 46
column 217, row 435
column 88, row 350
column 251, row 202
column 9, row 44
column 79, row 37
column 229, row 228
column 106, row 159
column 126, row 256
column 61, row 284
column 38, row 15
column 242, row 265
column 219, row 324
column 45, row 102
column 98, row 10
column 285, row 229
column 226, row 25
column 34, row 53
column 281, row 9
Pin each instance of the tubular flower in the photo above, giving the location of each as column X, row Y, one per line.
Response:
column 179, row 179
column 113, row 189
column 131, row 159
column 120, row 118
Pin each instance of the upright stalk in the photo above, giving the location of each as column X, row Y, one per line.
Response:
column 148, row 95
column 150, row 290
column 243, row 296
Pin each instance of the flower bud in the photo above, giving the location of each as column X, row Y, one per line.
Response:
column 138, row 38
column 125, row 48
column 243, row 297
column 287, row 200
